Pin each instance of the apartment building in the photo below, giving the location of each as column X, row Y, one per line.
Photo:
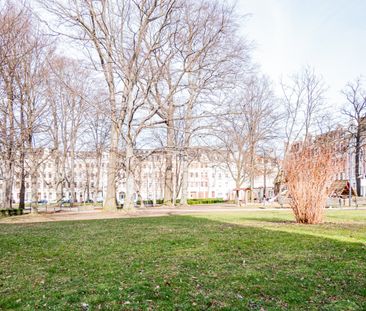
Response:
column 206, row 178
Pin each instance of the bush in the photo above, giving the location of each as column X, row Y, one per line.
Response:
column 11, row 212
column 309, row 172
column 189, row 201
column 205, row 201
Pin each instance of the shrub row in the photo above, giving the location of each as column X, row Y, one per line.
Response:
column 11, row 212
column 189, row 201
column 205, row 201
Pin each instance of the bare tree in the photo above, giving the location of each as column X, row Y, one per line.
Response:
column 119, row 37
column 355, row 111
column 96, row 135
column 14, row 25
column 68, row 94
column 22, row 72
column 303, row 102
column 248, row 123
column 212, row 47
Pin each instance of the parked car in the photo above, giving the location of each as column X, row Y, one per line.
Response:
column 42, row 202
column 99, row 200
column 88, row 201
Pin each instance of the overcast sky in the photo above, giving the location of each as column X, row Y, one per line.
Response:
column 329, row 35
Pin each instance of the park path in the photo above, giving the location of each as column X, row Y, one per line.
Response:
column 146, row 212
column 89, row 214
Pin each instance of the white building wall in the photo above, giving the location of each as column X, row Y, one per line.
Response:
column 205, row 180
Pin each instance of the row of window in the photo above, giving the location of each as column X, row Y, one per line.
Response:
column 49, row 184
column 205, row 175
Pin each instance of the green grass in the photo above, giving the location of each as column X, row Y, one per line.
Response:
column 239, row 261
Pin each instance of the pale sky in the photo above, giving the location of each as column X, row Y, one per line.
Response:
column 329, row 35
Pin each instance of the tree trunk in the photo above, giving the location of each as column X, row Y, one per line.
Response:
column 97, row 184
column 110, row 203
column 72, row 177
column 58, row 178
column 8, row 184
column 22, row 158
column 34, row 185
column 153, row 181
column 130, row 180
column 22, row 187
column 237, row 193
column 9, row 153
column 357, row 162
column 168, row 186
column 187, row 139
column 237, row 200
column 139, row 197
column 184, row 197
column 252, row 173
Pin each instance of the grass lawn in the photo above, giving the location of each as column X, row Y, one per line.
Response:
column 238, row 261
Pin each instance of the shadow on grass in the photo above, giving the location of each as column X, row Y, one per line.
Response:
column 271, row 220
column 176, row 262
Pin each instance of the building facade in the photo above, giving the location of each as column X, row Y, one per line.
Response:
column 206, row 178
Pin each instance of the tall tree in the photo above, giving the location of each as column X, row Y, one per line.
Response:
column 22, row 73
column 68, row 95
column 120, row 37
column 355, row 110
column 248, row 123
column 211, row 46
column 302, row 98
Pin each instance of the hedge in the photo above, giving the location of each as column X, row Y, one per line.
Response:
column 205, row 201
column 11, row 211
column 189, row 201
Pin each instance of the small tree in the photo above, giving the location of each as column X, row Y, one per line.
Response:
column 309, row 171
